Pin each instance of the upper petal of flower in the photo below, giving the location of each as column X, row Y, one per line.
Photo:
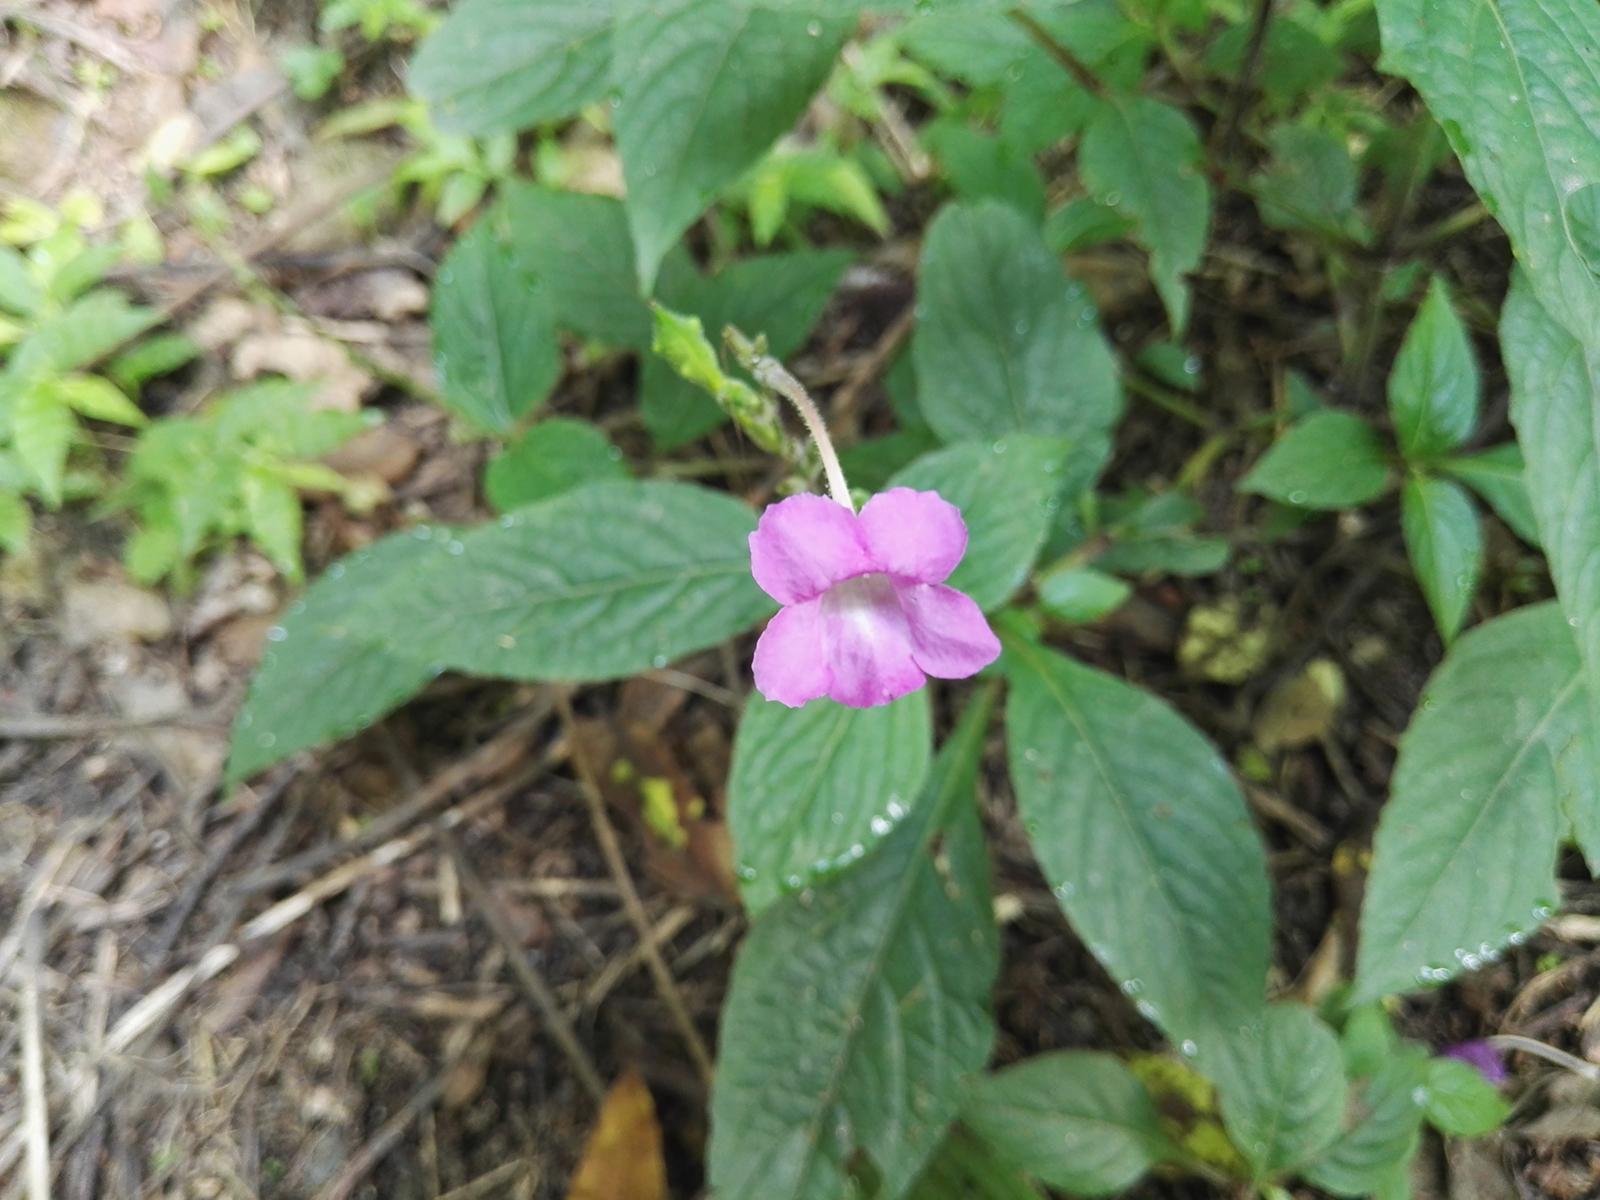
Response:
column 950, row 637
column 804, row 545
column 790, row 665
column 914, row 536
column 867, row 642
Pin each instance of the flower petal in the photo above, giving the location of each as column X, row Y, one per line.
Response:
column 868, row 644
column 917, row 536
column 950, row 637
column 789, row 664
column 804, row 545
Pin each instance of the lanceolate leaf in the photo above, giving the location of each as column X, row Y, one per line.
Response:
column 1446, row 545
column 1005, row 343
column 1077, row 1121
column 1331, row 459
column 1464, row 857
column 1009, row 491
column 1433, row 388
column 705, row 87
column 1500, row 477
column 1282, row 1085
column 494, row 340
column 503, row 65
column 1143, row 158
column 1555, row 405
column 812, row 789
column 1145, row 839
column 858, row 1007
column 324, row 676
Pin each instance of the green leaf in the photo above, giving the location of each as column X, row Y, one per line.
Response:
column 1499, row 476
column 1433, row 388
column 966, row 1169
column 857, row 1008
column 1384, row 1135
column 494, row 340
column 1495, row 751
column 149, row 359
column 1446, row 545
column 1077, row 1121
column 86, row 331
column 1555, row 394
column 1145, row 839
column 778, row 295
column 814, row 788
column 95, row 397
column 1083, row 222
column 554, row 456
column 16, row 523
column 506, row 65
column 1082, row 594
column 41, row 434
column 152, row 552
column 1009, row 492
column 1328, row 460
column 578, row 251
column 19, row 293
column 986, row 167
column 1462, row 1102
column 311, row 70
column 823, row 179
column 1143, row 158
column 1005, row 343
column 273, row 520
column 705, row 87
column 327, row 674
column 1294, row 61
column 1282, row 1086
column 1311, row 184
column 593, row 584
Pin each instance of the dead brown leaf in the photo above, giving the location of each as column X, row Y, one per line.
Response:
column 623, row 1158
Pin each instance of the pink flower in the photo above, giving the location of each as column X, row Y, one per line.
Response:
column 866, row 616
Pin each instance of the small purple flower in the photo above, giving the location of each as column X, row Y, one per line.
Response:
column 1481, row 1056
column 866, row 616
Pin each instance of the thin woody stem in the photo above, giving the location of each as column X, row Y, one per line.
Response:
column 771, row 373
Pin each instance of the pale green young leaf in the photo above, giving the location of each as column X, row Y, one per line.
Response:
column 1460, row 1101
column 507, row 65
column 19, row 293
column 42, row 429
column 1142, row 158
column 149, row 359
column 152, row 552
column 16, row 522
column 1009, row 491
column 1493, row 755
column 814, row 788
column 858, row 1007
column 704, row 88
column 1446, row 547
column 92, row 396
column 273, row 519
column 84, row 332
column 1005, row 342
column 1384, row 1134
column 554, row 456
column 1433, row 387
column 1144, row 838
column 1077, row 1121
column 1328, row 460
column 494, row 338
column 1280, row 1078
column 832, row 181
column 1499, row 476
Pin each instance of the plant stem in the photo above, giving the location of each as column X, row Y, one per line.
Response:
column 1068, row 61
column 770, row 373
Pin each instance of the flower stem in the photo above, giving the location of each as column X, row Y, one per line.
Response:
column 770, row 373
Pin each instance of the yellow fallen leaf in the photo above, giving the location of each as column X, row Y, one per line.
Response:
column 623, row 1159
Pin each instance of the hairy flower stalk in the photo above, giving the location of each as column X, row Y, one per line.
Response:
column 867, row 616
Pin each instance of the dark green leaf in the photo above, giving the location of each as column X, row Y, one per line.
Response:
column 966, row 1169
column 985, row 167
column 1330, row 459
column 1083, row 222
column 814, row 788
column 1142, row 157
column 1446, row 545
column 1383, row 1133
column 1433, row 388
column 1310, row 185
column 1499, row 476
column 857, row 1008
column 1145, row 839
column 552, row 457
column 705, row 87
column 1009, row 491
column 494, row 339
column 505, row 65
column 1493, row 755
column 1004, row 342
column 1077, row 1121
column 1294, row 61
